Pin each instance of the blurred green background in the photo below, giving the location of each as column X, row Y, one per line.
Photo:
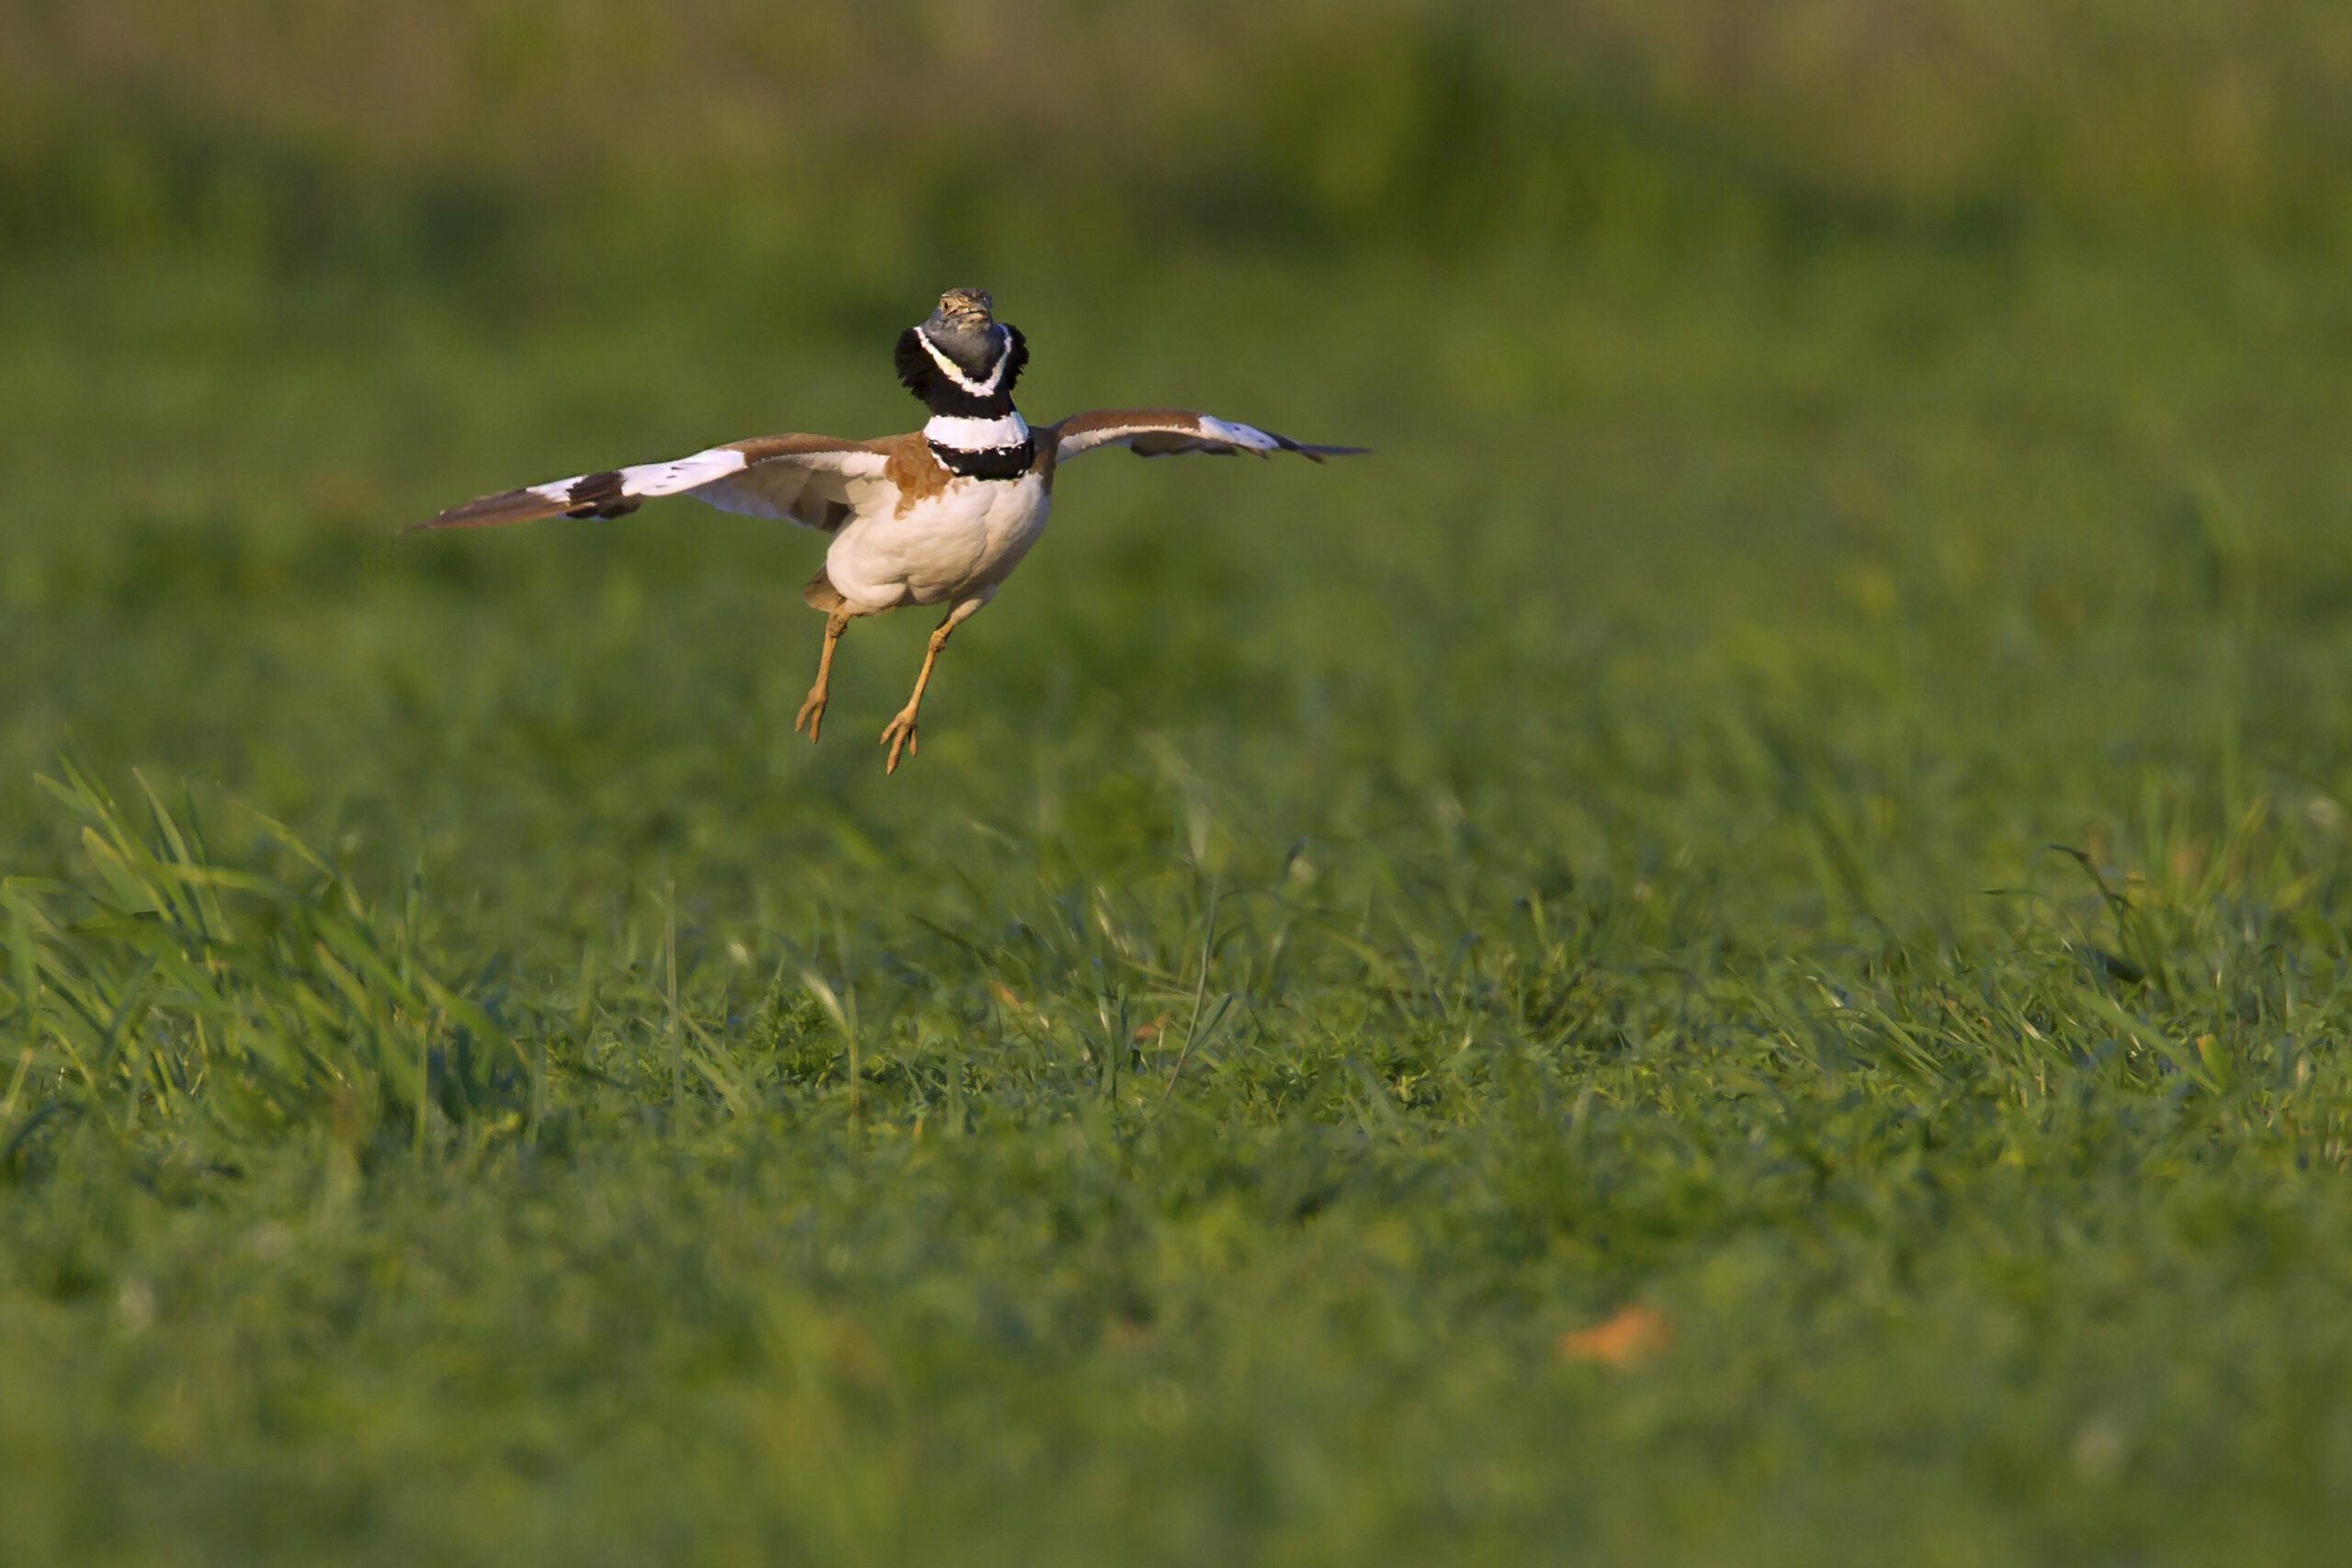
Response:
column 1800, row 792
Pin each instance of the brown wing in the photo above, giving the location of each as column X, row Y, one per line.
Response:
column 1165, row 432
column 810, row 479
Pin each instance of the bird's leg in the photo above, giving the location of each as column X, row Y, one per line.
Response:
column 900, row 731
column 812, row 712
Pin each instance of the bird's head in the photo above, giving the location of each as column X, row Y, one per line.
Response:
column 963, row 331
column 964, row 310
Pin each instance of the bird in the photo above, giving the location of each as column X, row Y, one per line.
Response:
column 939, row 515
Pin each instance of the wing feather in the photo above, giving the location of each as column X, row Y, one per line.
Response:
column 1165, row 433
column 811, row 479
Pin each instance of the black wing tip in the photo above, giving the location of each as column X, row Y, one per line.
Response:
column 1315, row 452
column 488, row 511
column 598, row 494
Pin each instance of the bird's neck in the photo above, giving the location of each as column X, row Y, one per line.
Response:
column 948, row 386
column 977, row 432
column 974, row 429
column 981, row 446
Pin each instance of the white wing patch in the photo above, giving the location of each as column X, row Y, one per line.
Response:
column 1247, row 436
column 683, row 474
column 642, row 480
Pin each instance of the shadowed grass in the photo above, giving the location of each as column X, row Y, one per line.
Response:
column 227, row 1006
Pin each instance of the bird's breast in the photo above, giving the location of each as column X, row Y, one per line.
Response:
column 963, row 536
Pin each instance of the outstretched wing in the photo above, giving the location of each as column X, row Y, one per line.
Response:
column 814, row 481
column 1165, row 433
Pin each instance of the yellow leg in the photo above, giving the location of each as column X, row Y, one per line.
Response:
column 812, row 712
column 900, row 731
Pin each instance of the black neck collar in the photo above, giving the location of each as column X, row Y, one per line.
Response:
column 946, row 387
column 988, row 462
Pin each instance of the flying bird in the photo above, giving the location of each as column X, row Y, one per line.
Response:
column 940, row 516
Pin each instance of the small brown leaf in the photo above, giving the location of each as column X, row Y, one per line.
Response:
column 1011, row 1002
column 1631, row 1334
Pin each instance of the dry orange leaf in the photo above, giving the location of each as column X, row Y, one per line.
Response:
column 1626, row 1337
column 1013, row 1003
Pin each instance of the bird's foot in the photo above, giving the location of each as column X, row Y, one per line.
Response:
column 811, row 713
column 899, row 733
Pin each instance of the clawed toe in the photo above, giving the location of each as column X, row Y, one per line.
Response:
column 899, row 734
column 812, row 715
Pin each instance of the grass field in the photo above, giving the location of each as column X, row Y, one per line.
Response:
column 1796, row 813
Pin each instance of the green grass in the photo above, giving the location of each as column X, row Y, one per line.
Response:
column 1803, row 789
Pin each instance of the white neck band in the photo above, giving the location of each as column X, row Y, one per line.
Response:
column 975, row 434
